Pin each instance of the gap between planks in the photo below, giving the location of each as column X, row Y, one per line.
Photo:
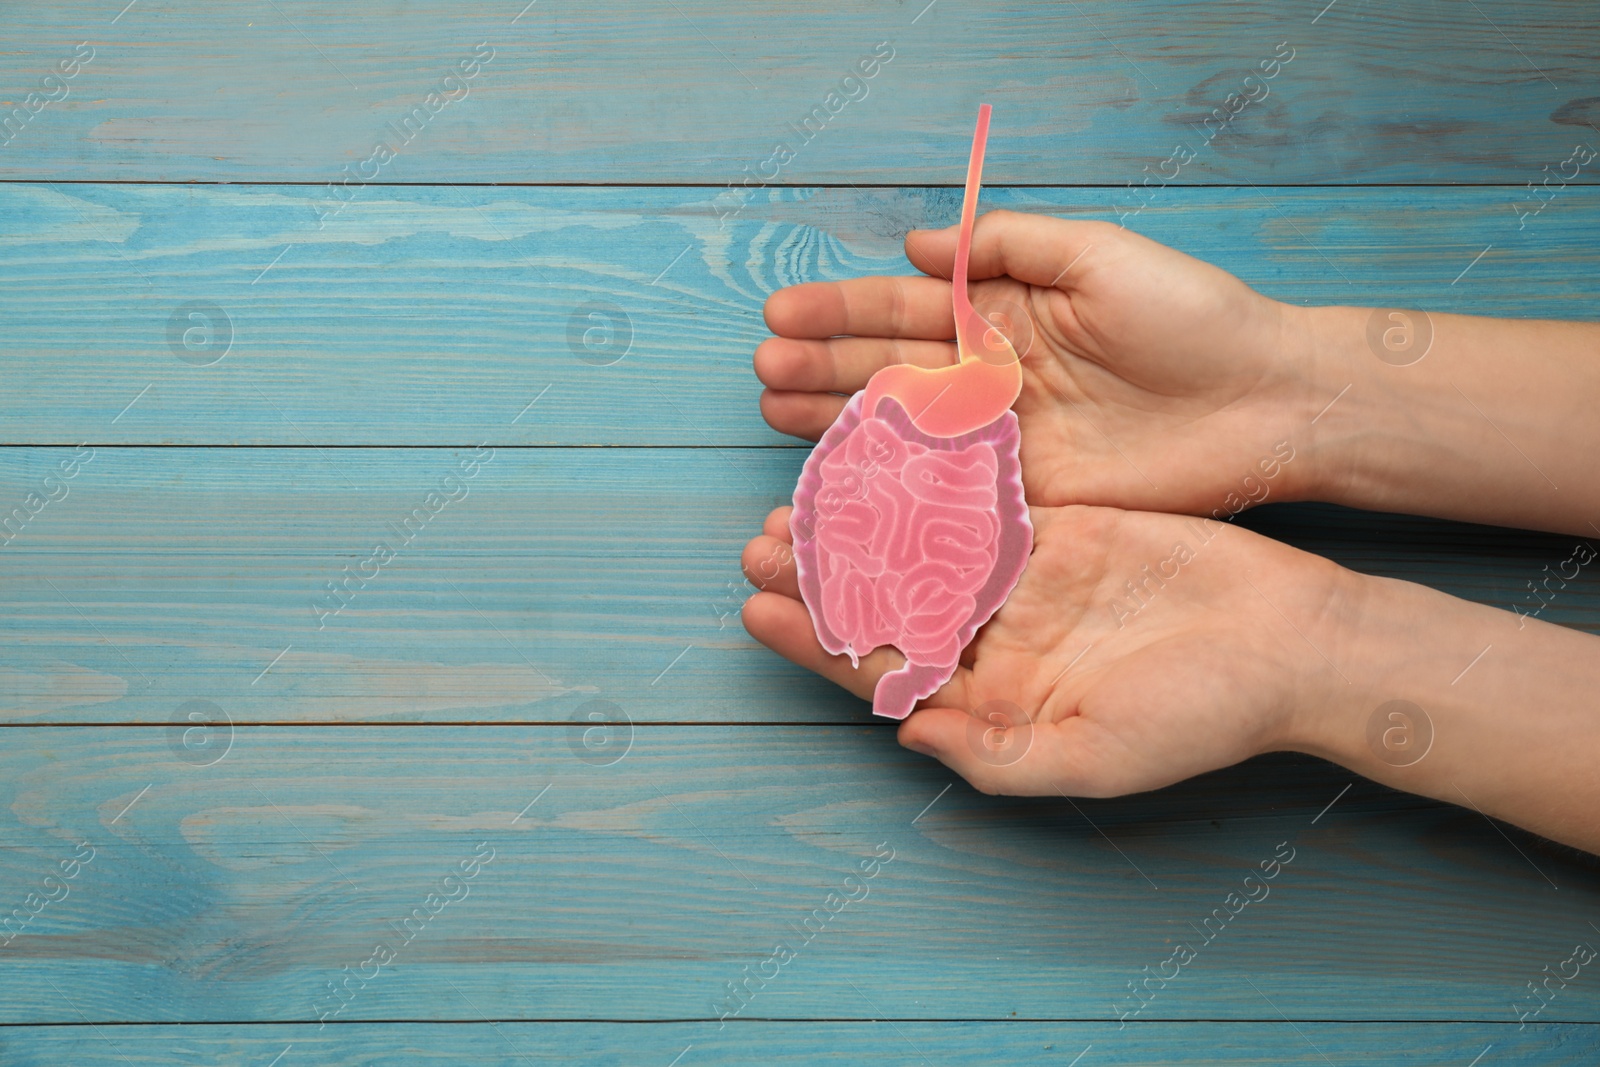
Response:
column 1595, row 183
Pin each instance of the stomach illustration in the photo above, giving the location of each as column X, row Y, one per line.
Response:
column 910, row 526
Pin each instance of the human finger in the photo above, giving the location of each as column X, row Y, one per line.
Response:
column 769, row 565
column 916, row 307
column 783, row 624
column 805, row 415
column 777, row 524
column 842, row 364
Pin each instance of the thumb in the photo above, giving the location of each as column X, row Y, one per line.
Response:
column 1036, row 249
column 933, row 252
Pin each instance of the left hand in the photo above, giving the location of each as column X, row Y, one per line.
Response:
column 1211, row 665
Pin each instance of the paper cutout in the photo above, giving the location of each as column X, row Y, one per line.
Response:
column 910, row 527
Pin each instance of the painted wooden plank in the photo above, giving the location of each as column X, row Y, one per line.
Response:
column 552, row 889
column 1258, row 1044
column 555, row 577
column 219, row 315
column 545, row 580
column 699, row 90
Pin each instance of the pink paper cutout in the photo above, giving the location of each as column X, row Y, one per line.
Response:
column 912, row 538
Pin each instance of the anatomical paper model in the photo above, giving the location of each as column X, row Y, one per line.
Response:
column 910, row 527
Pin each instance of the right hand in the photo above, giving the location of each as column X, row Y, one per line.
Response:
column 1154, row 381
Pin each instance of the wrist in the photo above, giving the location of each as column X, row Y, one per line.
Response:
column 1433, row 691
column 1416, row 413
column 1463, row 703
column 1381, row 642
column 1350, row 421
column 1331, row 411
column 1327, row 641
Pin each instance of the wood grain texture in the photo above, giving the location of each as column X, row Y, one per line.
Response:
column 1093, row 91
column 1260, row 1044
column 436, row 315
column 562, row 576
column 237, row 891
column 239, row 869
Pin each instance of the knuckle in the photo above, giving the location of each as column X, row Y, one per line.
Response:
column 897, row 309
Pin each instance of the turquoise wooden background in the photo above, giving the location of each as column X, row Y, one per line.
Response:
column 352, row 761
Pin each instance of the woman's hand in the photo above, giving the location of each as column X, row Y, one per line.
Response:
column 1145, row 648
column 1152, row 380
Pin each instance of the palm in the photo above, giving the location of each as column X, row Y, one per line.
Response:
column 1120, row 708
column 1190, row 682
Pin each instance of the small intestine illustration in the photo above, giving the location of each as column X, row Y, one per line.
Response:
column 910, row 527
